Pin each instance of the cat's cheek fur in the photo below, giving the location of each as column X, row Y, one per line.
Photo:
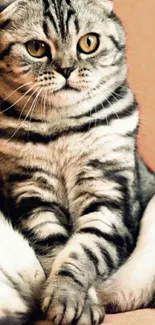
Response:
column 21, row 275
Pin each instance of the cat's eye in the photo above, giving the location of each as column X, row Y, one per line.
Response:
column 89, row 43
column 37, row 49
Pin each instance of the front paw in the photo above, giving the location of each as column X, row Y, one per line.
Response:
column 64, row 300
column 93, row 312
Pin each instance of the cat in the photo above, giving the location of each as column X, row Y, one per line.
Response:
column 73, row 187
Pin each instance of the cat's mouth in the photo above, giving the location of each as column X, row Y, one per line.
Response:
column 66, row 87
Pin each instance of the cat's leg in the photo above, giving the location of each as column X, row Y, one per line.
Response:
column 21, row 277
column 91, row 253
column 133, row 285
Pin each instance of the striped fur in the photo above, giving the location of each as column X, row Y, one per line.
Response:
column 69, row 173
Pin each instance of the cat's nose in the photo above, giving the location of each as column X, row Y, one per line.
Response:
column 66, row 72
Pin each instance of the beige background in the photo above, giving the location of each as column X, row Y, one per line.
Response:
column 138, row 17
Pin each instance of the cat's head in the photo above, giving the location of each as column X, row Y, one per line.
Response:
column 65, row 50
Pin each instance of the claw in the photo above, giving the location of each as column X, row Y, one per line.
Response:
column 45, row 304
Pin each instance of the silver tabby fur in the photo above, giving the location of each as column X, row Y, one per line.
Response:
column 72, row 192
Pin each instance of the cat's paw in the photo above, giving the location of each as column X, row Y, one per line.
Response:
column 64, row 300
column 93, row 313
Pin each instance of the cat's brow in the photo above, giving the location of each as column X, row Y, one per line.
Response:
column 60, row 24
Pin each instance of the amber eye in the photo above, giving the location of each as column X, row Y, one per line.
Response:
column 37, row 49
column 88, row 43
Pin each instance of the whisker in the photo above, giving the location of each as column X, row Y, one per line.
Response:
column 35, row 103
column 26, row 84
column 41, row 106
column 112, row 94
column 30, row 96
column 26, row 104
column 16, row 101
column 105, row 115
column 45, row 101
column 33, row 108
column 29, row 111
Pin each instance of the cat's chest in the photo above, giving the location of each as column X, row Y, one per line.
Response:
column 73, row 151
column 60, row 170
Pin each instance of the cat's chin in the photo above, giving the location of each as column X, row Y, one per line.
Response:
column 66, row 96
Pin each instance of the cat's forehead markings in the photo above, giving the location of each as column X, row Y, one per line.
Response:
column 59, row 18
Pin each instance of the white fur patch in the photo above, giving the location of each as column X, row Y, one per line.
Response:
column 19, row 269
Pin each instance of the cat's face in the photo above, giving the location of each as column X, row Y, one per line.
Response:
column 64, row 50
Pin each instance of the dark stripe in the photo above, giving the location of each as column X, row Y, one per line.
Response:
column 46, row 5
column 17, row 177
column 45, row 28
column 106, row 256
column 92, row 257
column 40, row 181
column 77, row 27
column 56, row 8
column 74, row 256
column 70, row 13
column 114, row 239
column 24, row 136
column 117, row 95
column 35, row 169
column 116, row 43
column 66, row 273
column 126, row 203
column 81, row 180
column 123, row 244
column 14, row 113
column 29, row 136
column 105, row 202
column 114, row 17
column 50, row 242
column 28, row 205
column 103, row 166
column 111, row 166
column 49, row 15
column 128, row 111
column 6, row 51
column 2, row 7
column 5, row 23
column 44, row 246
column 62, row 26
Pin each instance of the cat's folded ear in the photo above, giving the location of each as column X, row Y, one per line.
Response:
column 108, row 5
column 7, row 8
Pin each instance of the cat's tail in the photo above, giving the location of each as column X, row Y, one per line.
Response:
column 21, row 278
column 133, row 285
